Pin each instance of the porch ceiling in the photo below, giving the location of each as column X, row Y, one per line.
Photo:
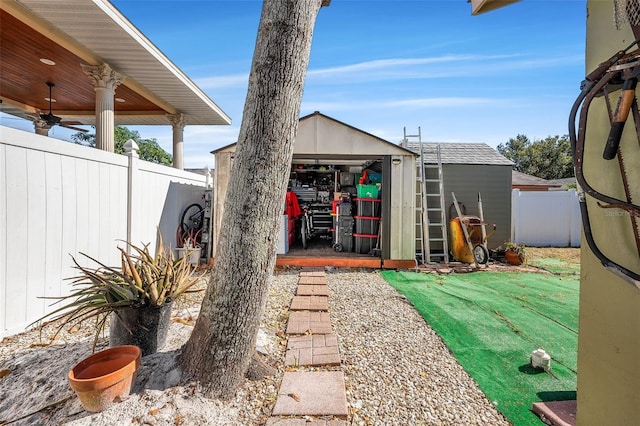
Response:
column 74, row 32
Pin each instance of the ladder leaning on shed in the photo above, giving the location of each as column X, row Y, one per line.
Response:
column 431, row 222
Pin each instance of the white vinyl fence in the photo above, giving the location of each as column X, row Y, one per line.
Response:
column 545, row 218
column 59, row 199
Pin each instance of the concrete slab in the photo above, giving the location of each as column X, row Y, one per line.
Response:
column 556, row 413
column 312, row 280
column 306, row 322
column 312, row 393
column 309, row 303
column 312, row 290
column 314, row 350
column 289, row 421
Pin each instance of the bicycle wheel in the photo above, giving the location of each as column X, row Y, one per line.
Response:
column 192, row 218
column 304, row 232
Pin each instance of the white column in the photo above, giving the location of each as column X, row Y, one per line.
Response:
column 105, row 81
column 42, row 128
column 177, row 122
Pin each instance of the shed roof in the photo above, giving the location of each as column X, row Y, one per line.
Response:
column 460, row 153
column 322, row 136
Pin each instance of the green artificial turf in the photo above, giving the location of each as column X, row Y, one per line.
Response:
column 556, row 266
column 492, row 322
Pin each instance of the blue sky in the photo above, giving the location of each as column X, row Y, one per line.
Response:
column 384, row 65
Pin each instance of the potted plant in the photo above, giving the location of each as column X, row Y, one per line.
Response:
column 515, row 254
column 137, row 296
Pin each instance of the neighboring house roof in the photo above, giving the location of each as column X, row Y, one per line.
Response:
column 565, row 182
column 528, row 182
column 460, row 153
column 321, row 135
column 90, row 32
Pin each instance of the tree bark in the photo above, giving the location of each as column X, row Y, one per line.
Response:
column 224, row 337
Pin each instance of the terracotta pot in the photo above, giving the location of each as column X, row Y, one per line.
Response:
column 105, row 377
column 512, row 258
column 142, row 326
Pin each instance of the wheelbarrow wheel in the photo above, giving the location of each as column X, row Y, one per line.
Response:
column 338, row 247
column 480, row 254
column 304, row 233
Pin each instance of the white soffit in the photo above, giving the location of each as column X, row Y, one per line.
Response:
column 101, row 28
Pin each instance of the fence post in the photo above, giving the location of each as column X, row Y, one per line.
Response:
column 515, row 213
column 133, row 194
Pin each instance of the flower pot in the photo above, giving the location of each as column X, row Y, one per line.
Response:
column 142, row 326
column 105, row 377
column 512, row 258
column 192, row 255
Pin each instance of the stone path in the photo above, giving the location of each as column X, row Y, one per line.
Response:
column 311, row 343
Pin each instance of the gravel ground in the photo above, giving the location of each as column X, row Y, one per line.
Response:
column 397, row 369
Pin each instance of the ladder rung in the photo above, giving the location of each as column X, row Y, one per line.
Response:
column 435, row 224
column 433, row 195
column 438, row 240
column 432, row 180
column 434, row 209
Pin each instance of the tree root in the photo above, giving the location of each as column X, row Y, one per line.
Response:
column 258, row 368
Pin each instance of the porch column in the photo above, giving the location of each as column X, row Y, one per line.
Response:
column 42, row 128
column 177, row 122
column 105, row 81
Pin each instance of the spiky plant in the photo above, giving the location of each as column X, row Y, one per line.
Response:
column 142, row 280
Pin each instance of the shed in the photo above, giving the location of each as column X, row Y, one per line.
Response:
column 469, row 169
column 329, row 157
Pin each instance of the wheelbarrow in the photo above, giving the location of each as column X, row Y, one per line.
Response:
column 468, row 236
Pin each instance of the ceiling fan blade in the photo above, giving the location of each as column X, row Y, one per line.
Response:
column 69, row 126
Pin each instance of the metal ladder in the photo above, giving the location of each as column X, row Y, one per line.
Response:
column 435, row 195
column 429, row 202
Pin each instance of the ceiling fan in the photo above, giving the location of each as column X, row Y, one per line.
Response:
column 53, row 120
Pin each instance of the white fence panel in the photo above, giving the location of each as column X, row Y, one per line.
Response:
column 546, row 218
column 57, row 199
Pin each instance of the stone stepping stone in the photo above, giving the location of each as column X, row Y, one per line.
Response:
column 301, row 322
column 309, row 303
column 312, row 393
column 312, row 280
column 315, row 350
column 312, row 290
column 279, row 421
column 313, row 274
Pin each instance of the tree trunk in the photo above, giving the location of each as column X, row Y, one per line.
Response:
column 223, row 340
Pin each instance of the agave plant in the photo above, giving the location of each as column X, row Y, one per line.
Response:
column 141, row 280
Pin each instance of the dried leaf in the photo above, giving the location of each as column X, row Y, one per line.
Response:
column 183, row 321
column 294, row 396
column 308, row 332
column 74, row 329
column 154, row 411
column 4, row 372
column 39, row 345
column 280, row 333
column 422, row 374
